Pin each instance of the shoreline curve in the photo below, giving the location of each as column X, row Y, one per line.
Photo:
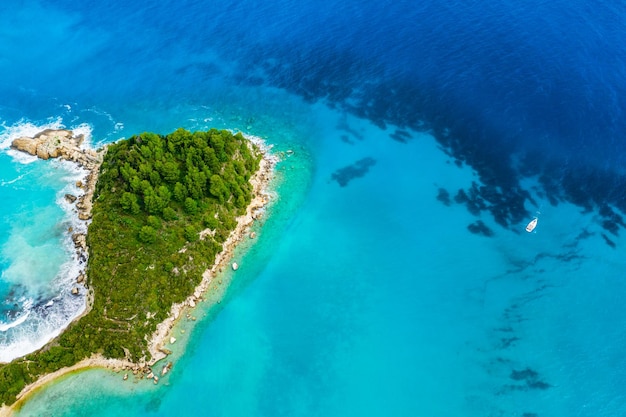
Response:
column 261, row 198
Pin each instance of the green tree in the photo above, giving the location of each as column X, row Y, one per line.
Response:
column 180, row 192
column 164, row 194
column 153, row 203
column 218, row 188
column 191, row 206
column 211, row 222
column 169, row 214
column 170, row 172
column 191, row 234
column 147, row 234
column 154, row 222
column 129, row 203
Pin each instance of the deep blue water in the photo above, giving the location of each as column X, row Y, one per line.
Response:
column 393, row 275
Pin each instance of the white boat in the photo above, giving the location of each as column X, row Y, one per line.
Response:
column 531, row 226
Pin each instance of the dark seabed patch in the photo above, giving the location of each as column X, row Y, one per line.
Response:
column 153, row 405
column 608, row 241
column 507, row 342
column 611, row 220
column 527, row 385
column 471, row 129
column 346, row 174
column 343, row 125
column 480, row 228
column 444, row 196
column 401, row 136
column 530, row 377
column 346, row 139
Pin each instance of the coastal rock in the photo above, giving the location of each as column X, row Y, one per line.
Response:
column 125, row 377
column 252, row 235
column 84, row 216
column 80, row 241
column 81, row 278
column 75, row 291
column 42, row 152
column 166, row 368
column 235, row 266
column 57, row 133
column 165, row 350
column 63, row 144
column 24, row 144
column 172, row 340
column 57, row 143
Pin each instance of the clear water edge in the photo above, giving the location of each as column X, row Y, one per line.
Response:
column 223, row 287
column 376, row 299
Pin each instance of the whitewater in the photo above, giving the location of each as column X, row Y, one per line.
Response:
column 43, row 264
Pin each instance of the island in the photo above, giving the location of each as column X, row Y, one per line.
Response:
column 165, row 213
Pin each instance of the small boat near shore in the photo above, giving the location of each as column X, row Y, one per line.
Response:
column 531, row 226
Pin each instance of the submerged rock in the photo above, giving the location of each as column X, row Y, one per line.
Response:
column 166, row 368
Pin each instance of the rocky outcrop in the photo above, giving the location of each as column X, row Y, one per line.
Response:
column 63, row 144
column 80, row 241
column 57, row 143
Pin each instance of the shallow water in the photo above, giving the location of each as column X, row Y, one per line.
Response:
column 375, row 287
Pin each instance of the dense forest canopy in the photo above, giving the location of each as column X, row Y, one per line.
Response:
column 154, row 196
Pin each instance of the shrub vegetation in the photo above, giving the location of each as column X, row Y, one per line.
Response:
column 153, row 196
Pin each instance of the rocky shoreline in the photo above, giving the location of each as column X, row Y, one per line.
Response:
column 261, row 198
column 63, row 144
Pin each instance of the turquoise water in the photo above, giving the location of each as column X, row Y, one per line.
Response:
column 37, row 259
column 393, row 275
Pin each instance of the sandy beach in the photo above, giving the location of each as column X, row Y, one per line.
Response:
column 261, row 198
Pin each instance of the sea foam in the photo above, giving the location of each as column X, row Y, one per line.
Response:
column 38, row 249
